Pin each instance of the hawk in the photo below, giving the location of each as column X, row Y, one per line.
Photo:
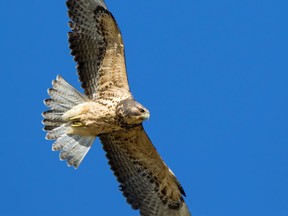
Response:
column 108, row 111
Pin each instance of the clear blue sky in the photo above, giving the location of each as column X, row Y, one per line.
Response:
column 214, row 76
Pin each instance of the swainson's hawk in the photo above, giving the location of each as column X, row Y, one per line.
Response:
column 109, row 111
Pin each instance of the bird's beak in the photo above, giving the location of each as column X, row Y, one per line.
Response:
column 146, row 115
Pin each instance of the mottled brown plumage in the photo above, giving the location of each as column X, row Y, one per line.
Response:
column 109, row 111
column 97, row 47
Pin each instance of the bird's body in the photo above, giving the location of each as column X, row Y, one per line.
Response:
column 108, row 111
column 92, row 119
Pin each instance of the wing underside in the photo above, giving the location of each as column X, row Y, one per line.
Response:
column 145, row 180
column 97, row 46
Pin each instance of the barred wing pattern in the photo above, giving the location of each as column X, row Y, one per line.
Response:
column 97, row 46
column 147, row 183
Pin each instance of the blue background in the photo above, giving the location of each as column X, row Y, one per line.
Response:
column 214, row 77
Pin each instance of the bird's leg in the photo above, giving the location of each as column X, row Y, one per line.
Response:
column 76, row 121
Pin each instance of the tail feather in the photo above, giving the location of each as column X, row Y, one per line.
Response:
column 75, row 149
column 53, row 115
column 54, row 105
column 71, row 142
column 50, row 124
column 57, row 132
column 63, row 89
column 64, row 97
column 60, row 142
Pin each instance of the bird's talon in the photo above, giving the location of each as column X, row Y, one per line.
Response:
column 77, row 124
column 74, row 118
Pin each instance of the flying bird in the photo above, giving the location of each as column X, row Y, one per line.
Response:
column 108, row 110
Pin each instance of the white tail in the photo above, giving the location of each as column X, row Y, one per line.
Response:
column 64, row 97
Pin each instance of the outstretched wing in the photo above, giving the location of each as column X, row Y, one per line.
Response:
column 97, row 46
column 147, row 183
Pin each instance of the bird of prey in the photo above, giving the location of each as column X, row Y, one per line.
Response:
column 108, row 110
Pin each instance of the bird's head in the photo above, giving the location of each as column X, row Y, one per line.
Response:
column 130, row 112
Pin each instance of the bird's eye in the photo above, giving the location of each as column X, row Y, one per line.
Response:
column 142, row 110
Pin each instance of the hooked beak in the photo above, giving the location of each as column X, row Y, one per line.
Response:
column 146, row 115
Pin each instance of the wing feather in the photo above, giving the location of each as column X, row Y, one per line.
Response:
column 146, row 181
column 97, row 46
